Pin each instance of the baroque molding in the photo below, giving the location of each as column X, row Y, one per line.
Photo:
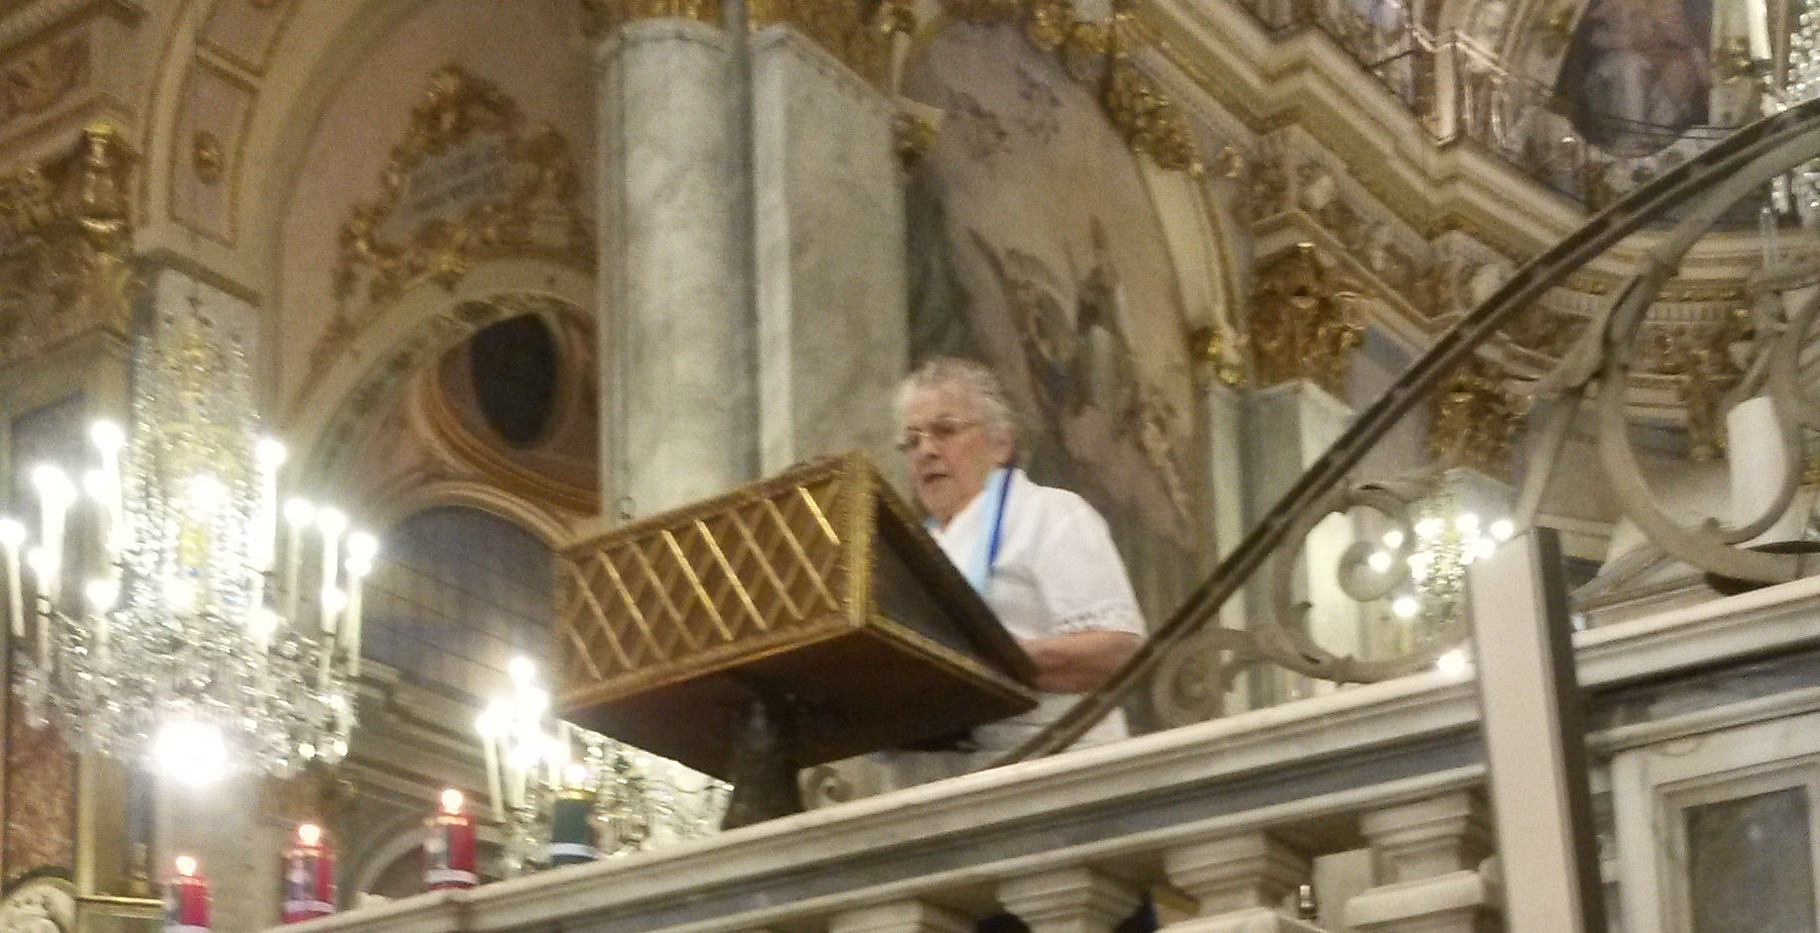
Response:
column 1097, row 53
column 601, row 17
column 473, row 179
column 1302, row 323
column 859, row 34
column 1473, row 420
column 64, row 237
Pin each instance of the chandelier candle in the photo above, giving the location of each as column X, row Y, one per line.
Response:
column 448, row 847
column 309, row 876
column 571, row 840
column 186, row 900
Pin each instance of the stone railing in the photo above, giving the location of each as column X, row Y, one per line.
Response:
column 1376, row 794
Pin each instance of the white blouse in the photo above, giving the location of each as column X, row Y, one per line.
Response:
column 1056, row 573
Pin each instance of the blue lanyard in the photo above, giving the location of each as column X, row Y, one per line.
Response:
column 985, row 557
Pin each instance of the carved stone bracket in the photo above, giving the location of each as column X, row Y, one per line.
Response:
column 41, row 905
column 1097, row 53
column 64, row 235
column 1302, row 325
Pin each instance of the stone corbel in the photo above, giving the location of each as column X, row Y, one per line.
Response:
column 1302, row 324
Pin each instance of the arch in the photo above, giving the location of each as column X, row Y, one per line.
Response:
column 398, row 339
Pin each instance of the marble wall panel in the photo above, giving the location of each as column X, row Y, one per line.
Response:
column 830, row 255
column 246, row 33
column 216, row 107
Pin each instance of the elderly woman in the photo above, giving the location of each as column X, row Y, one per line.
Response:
column 1041, row 557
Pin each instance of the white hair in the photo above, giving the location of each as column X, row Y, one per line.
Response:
column 977, row 384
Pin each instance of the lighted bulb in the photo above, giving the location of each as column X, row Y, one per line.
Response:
column 269, row 453
column 576, row 774
column 1453, row 663
column 309, row 834
column 359, row 567
column 94, row 482
column 521, row 669
column 52, row 484
column 180, row 594
column 306, row 751
column 101, row 593
column 191, row 752
column 331, row 521
column 12, row 532
column 533, row 702
column 41, row 562
column 1379, row 562
column 339, row 747
column 333, row 599
column 1484, row 547
column 1503, row 529
column 1466, row 523
column 206, row 494
column 107, row 436
column 265, row 623
column 186, row 866
column 1405, row 607
column 1429, row 527
column 492, row 721
column 299, row 512
column 1393, row 538
column 451, row 801
column 363, row 546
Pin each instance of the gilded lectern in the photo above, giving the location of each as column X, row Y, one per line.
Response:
column 800, row 619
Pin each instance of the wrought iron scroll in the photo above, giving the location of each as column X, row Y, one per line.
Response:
column 1699, row 191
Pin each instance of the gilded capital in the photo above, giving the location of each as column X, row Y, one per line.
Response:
column 1302, row 325
column 64, row 234
column 857, row 32
column 600, row 17
column 1473, row 421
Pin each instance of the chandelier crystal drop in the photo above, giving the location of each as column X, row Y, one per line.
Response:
column 1803, row 83
column 189, row 642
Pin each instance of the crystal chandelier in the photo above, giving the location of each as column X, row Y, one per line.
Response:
column 183, row 646
column 1803, row 83
column 629, row 799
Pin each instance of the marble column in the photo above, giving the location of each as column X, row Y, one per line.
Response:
column 1239, row 883
column 1287, row 428
column 752, row 270
column 909, row 916
column 1069, row 900
column 1427, row 857
column 678, row 407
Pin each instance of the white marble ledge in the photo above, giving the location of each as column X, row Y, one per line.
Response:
column 1346, row 752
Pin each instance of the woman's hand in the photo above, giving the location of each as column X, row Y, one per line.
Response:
column 1078, row 661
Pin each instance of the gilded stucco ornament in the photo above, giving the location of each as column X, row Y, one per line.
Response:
column 1695, row 357
column 63, row 243
column 1302, row 324
column 600, row 17
column 858, row 32
column 1097, row 53
column 32, row 82
column 473, row 179
column 1473, row 420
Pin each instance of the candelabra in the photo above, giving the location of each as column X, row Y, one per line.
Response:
column 563, row 794
column 186, row 647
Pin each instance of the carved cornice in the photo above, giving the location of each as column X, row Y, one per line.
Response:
column 1302, row 325
column 64, row 236
column 1097, row 53
column 857, row 33
column 600, row 17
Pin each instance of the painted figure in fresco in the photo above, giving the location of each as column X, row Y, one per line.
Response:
column 1638, row 73
column 1042, row 558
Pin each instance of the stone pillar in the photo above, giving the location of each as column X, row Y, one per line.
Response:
column 900, row 917
column 1288, row 427
column 677, row 412
column 1427, row 856
column 832, row 300
column 751, row 259
column 1239, row 882
column 1069, row 900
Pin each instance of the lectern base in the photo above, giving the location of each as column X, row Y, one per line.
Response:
column 764, row 763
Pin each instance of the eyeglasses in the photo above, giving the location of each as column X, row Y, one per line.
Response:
column 940, row 429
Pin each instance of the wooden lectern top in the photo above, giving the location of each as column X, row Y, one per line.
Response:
column 817, row 586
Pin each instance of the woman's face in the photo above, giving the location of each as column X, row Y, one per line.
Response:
column 950, row 449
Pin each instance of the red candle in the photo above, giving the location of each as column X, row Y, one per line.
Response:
column 448, row 846
column 309, row 876
column 186, row 900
